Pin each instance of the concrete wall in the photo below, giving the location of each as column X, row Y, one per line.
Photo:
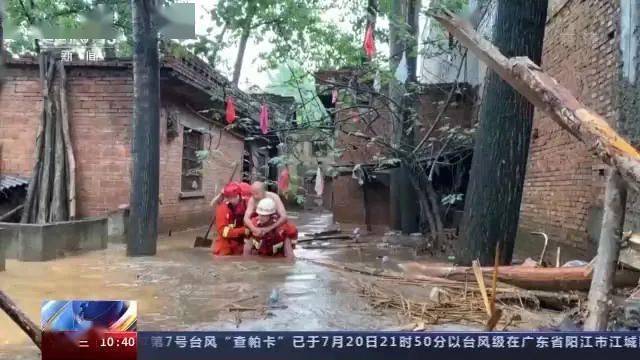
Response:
column 564, row 183
column 42, row 242
column 101, row 103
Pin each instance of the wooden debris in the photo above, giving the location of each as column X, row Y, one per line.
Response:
column 21, row 319
column 563, row 278
column 51, row 192
column 327, row 237
column 477, row 271
column 604, row 272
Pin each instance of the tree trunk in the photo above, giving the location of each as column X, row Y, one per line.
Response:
column 608, row 251
column 493, row 197
column 396, row 94
column 408, row 195
column 70, row 157
column 47, row 171
column 554, row 99
column 58, row 208
column 244, row 38
column 143, row 217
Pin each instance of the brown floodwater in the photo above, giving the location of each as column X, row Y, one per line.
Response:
column 186, row 288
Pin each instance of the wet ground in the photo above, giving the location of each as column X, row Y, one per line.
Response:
column 183, row 288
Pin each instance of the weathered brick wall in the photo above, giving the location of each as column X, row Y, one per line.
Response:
column 564, row 183
column 100, row 105
column 21, row 104
column 178, row 211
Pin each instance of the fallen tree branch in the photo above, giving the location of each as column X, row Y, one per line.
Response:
column 20, row 318
column 554, row 99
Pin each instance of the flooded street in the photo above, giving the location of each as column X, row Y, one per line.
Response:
column 185, row 288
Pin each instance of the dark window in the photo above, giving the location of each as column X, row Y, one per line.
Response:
column 191, row 165
column 319, row 148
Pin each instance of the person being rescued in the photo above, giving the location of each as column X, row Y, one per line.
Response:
column 270, row 241
column 229, row 222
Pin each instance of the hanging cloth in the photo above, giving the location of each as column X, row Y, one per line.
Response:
column 334, row 96
column 369, row 42
column 319, row 182
column 377, row 86
column 402, row 73
column 230, row 114
column 283, row 180
column 264, row 119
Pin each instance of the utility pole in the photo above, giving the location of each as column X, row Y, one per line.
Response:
column 145, row 175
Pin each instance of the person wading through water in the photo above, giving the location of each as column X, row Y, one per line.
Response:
column 259, row 192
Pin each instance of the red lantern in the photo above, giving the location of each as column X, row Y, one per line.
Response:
column 230, row 111
column 264, row 119
column 369, row 42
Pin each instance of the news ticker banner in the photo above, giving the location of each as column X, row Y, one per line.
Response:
column 97, row 330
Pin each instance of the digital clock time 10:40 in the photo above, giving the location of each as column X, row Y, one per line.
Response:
column 124, row 342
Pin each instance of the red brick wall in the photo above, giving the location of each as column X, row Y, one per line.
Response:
column 564, row 185
column 177, row 212
column 100, row 104
column 21, row 105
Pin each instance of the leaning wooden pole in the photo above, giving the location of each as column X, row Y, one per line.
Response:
column 554, row 99
column 71, row 159
column 20, row 318
column 608, row 251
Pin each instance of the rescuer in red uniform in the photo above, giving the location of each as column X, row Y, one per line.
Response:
column 229, row 222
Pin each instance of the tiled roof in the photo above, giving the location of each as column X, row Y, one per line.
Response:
column 8, row 182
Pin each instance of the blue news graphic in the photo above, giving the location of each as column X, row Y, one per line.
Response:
column 82, row 315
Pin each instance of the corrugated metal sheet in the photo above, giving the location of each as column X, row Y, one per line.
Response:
column 8, row 182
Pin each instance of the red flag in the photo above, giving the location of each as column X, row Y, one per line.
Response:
column 264, row 119
column 230, row 111
column 283, row 180
column 369, row 42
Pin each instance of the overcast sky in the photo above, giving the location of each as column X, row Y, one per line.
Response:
column 252, row 75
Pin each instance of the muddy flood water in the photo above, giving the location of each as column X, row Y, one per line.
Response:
column 185, row 288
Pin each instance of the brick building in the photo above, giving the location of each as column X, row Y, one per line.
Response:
column 101, row 104
column 564, row 186
column 366, row 204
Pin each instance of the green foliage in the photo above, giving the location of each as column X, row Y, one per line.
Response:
column 292, row 80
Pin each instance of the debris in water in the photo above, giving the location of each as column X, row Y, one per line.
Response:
column 274, row 297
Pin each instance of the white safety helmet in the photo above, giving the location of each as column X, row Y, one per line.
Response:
column 266, row 206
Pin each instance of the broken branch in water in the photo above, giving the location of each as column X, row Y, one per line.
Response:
column 20, row 318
